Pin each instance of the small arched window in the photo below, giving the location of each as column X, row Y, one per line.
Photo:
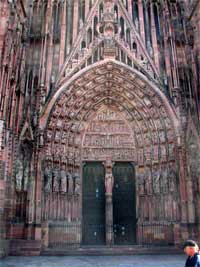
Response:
column 128, row 37
column 95, row 26
column 135, row 12
column 89, row 36
column 100, row 11
column 83, row 44
column 134, row 45
column 116, row 12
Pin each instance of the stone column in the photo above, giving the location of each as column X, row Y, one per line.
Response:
column 38, row 197
column 75, row 20
column 69, row 26
column 4, row 12
column 173, row 54
column 148, row 35
column 109, row 181
column 43, row 57
column 141, row 20
column 2, row 219
column 31, row 194
column 154, row 39
column 86, row 8
column 3, row 243
column 63, row 36
column 130, row 9
column 183, row 191
column 50, row 48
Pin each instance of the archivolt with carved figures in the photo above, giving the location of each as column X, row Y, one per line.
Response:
column 110, row 112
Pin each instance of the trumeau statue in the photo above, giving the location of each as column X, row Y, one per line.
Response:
column 48, row 178
column 109, row 182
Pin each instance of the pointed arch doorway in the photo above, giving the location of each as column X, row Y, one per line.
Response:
column 108, row 180
column 141, row 125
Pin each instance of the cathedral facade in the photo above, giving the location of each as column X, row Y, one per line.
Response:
column 99, row 124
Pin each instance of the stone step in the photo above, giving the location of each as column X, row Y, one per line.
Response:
column 116, row 250
column 25, row 247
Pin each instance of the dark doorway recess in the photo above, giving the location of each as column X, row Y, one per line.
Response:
column 93, row 212
column 124, row 204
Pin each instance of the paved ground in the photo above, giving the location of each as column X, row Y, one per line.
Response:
column 95, row 261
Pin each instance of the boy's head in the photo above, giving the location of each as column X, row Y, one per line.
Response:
column 190, row 247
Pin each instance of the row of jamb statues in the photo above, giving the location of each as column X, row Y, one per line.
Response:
column 57, row 179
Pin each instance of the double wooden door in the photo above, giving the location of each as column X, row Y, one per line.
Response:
column 94, row 201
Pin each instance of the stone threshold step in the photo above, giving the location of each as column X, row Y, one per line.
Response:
column 89, row 251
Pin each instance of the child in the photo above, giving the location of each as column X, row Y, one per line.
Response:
column 191, row 249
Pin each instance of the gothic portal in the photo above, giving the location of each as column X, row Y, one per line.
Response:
column 99, row 124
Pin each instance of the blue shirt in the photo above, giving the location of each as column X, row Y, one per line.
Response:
column 193, row 261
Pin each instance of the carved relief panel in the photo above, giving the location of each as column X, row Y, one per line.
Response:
column 108, row 136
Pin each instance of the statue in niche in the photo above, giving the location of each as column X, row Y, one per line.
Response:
column 109, row 182
column 56, row 178
column 63, row 179
column 148, row 182
column 48, row 177
column 76, row 178
column 26, row 175
column 172, row 177
column 23, row 166
column 141, row 183
column 137, row 25
column 144, row 62
column 80, row 24
column 164, row 179
column 156, row 179
column 19, row 174
column 116, row 16
column 109, row 42
column 70, row 183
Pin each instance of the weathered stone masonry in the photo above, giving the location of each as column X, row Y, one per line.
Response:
column 98, row 81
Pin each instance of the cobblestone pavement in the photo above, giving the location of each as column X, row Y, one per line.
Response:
column 95, row 261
